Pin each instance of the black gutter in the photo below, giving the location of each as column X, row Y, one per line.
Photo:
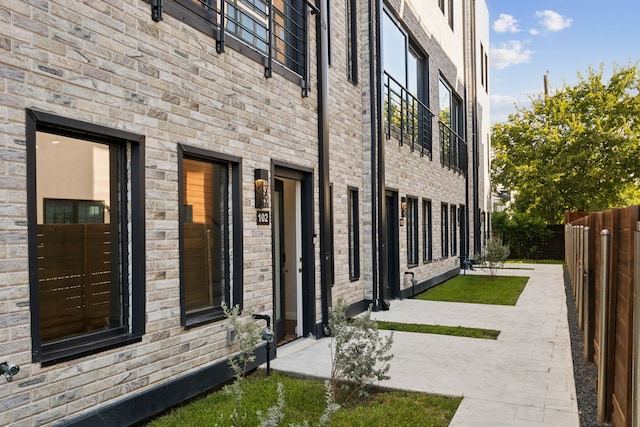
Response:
column 372, row 96
column 323, row 160
column 379, row 303
column 477, row 234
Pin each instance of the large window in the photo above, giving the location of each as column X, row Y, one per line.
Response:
column 208, row 235
column 427, row 239
column 453, row 148
column 354, row 234
column 275, row 31
column 86, row 236
column 407, row 116
column 412, row 231
column 444, row 230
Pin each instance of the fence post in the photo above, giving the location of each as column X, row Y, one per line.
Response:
column 603, row 377
column 579, row 275
column 586, row 298
column 635, row 409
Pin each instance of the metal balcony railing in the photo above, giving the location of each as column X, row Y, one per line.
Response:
column 453, row 150
column 274, row 28
column 406, row 117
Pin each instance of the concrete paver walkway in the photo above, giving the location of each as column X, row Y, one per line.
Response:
column 524, row 378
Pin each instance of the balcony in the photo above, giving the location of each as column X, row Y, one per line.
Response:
column 406, row 118
column 453, row 150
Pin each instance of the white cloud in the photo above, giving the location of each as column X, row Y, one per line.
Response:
column 510, row 53
column 502, row 100
column 505, row 24
column 553, row 21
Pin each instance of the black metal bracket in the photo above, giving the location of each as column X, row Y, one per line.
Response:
column 156, row 10
column 223, row 26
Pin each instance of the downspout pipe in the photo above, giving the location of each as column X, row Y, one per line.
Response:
column 464, row 252
column 379, row 303
column 322, row 39
column 373, row 120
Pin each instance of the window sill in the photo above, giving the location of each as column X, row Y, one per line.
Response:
column 62, row 354
column 202, row 319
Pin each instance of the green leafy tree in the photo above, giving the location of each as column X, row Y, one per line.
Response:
column 576, row 149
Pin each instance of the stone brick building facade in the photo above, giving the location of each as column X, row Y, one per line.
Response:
column 162, row 157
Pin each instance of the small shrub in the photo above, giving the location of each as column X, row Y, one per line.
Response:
column 495, row 254
column 359, row 355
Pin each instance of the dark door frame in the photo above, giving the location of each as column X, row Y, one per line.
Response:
column 305, row 177
column 278, row 247
column 392, row 261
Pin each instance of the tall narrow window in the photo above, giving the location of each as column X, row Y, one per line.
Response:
column 351, row 19
column 451, row 122
column 407, row 115
column 354, row 234
column 427, row 239
column 412, row 231
column 451, row 14
column 482, row 64
column 206, row 242
column 444, row 230
column 454, row 230
column 441, row 4
column 85, row 236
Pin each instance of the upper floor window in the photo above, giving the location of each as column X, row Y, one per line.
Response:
column 351, row 19
column 453, row 148
column 407, row 116
column 86, row 236
column 276, row 31
column 208, row 236
column 484, row 68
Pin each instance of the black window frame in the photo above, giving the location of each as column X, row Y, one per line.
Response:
column 131, row 226
column 427, row 231
column 353, row 224
column 453, row 226
column 444, row 229
column 412, row 231
column 234, row 247
column 351, row 21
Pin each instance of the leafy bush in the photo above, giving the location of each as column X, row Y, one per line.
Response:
column 359, row 355
column 495, row 254
column 521, row 232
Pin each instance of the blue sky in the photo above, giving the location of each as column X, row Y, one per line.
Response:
column 531, row 38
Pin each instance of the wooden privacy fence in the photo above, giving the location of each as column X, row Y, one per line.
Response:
column 602, row 252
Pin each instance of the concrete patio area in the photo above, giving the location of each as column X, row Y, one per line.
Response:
column 524, row 378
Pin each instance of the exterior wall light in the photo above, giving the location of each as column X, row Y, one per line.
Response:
column 262, row 188
column 9, row 370
column 403, row 207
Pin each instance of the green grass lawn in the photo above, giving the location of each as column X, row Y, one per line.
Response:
column 501, row 290
column 458, row 331
column 304, row 400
